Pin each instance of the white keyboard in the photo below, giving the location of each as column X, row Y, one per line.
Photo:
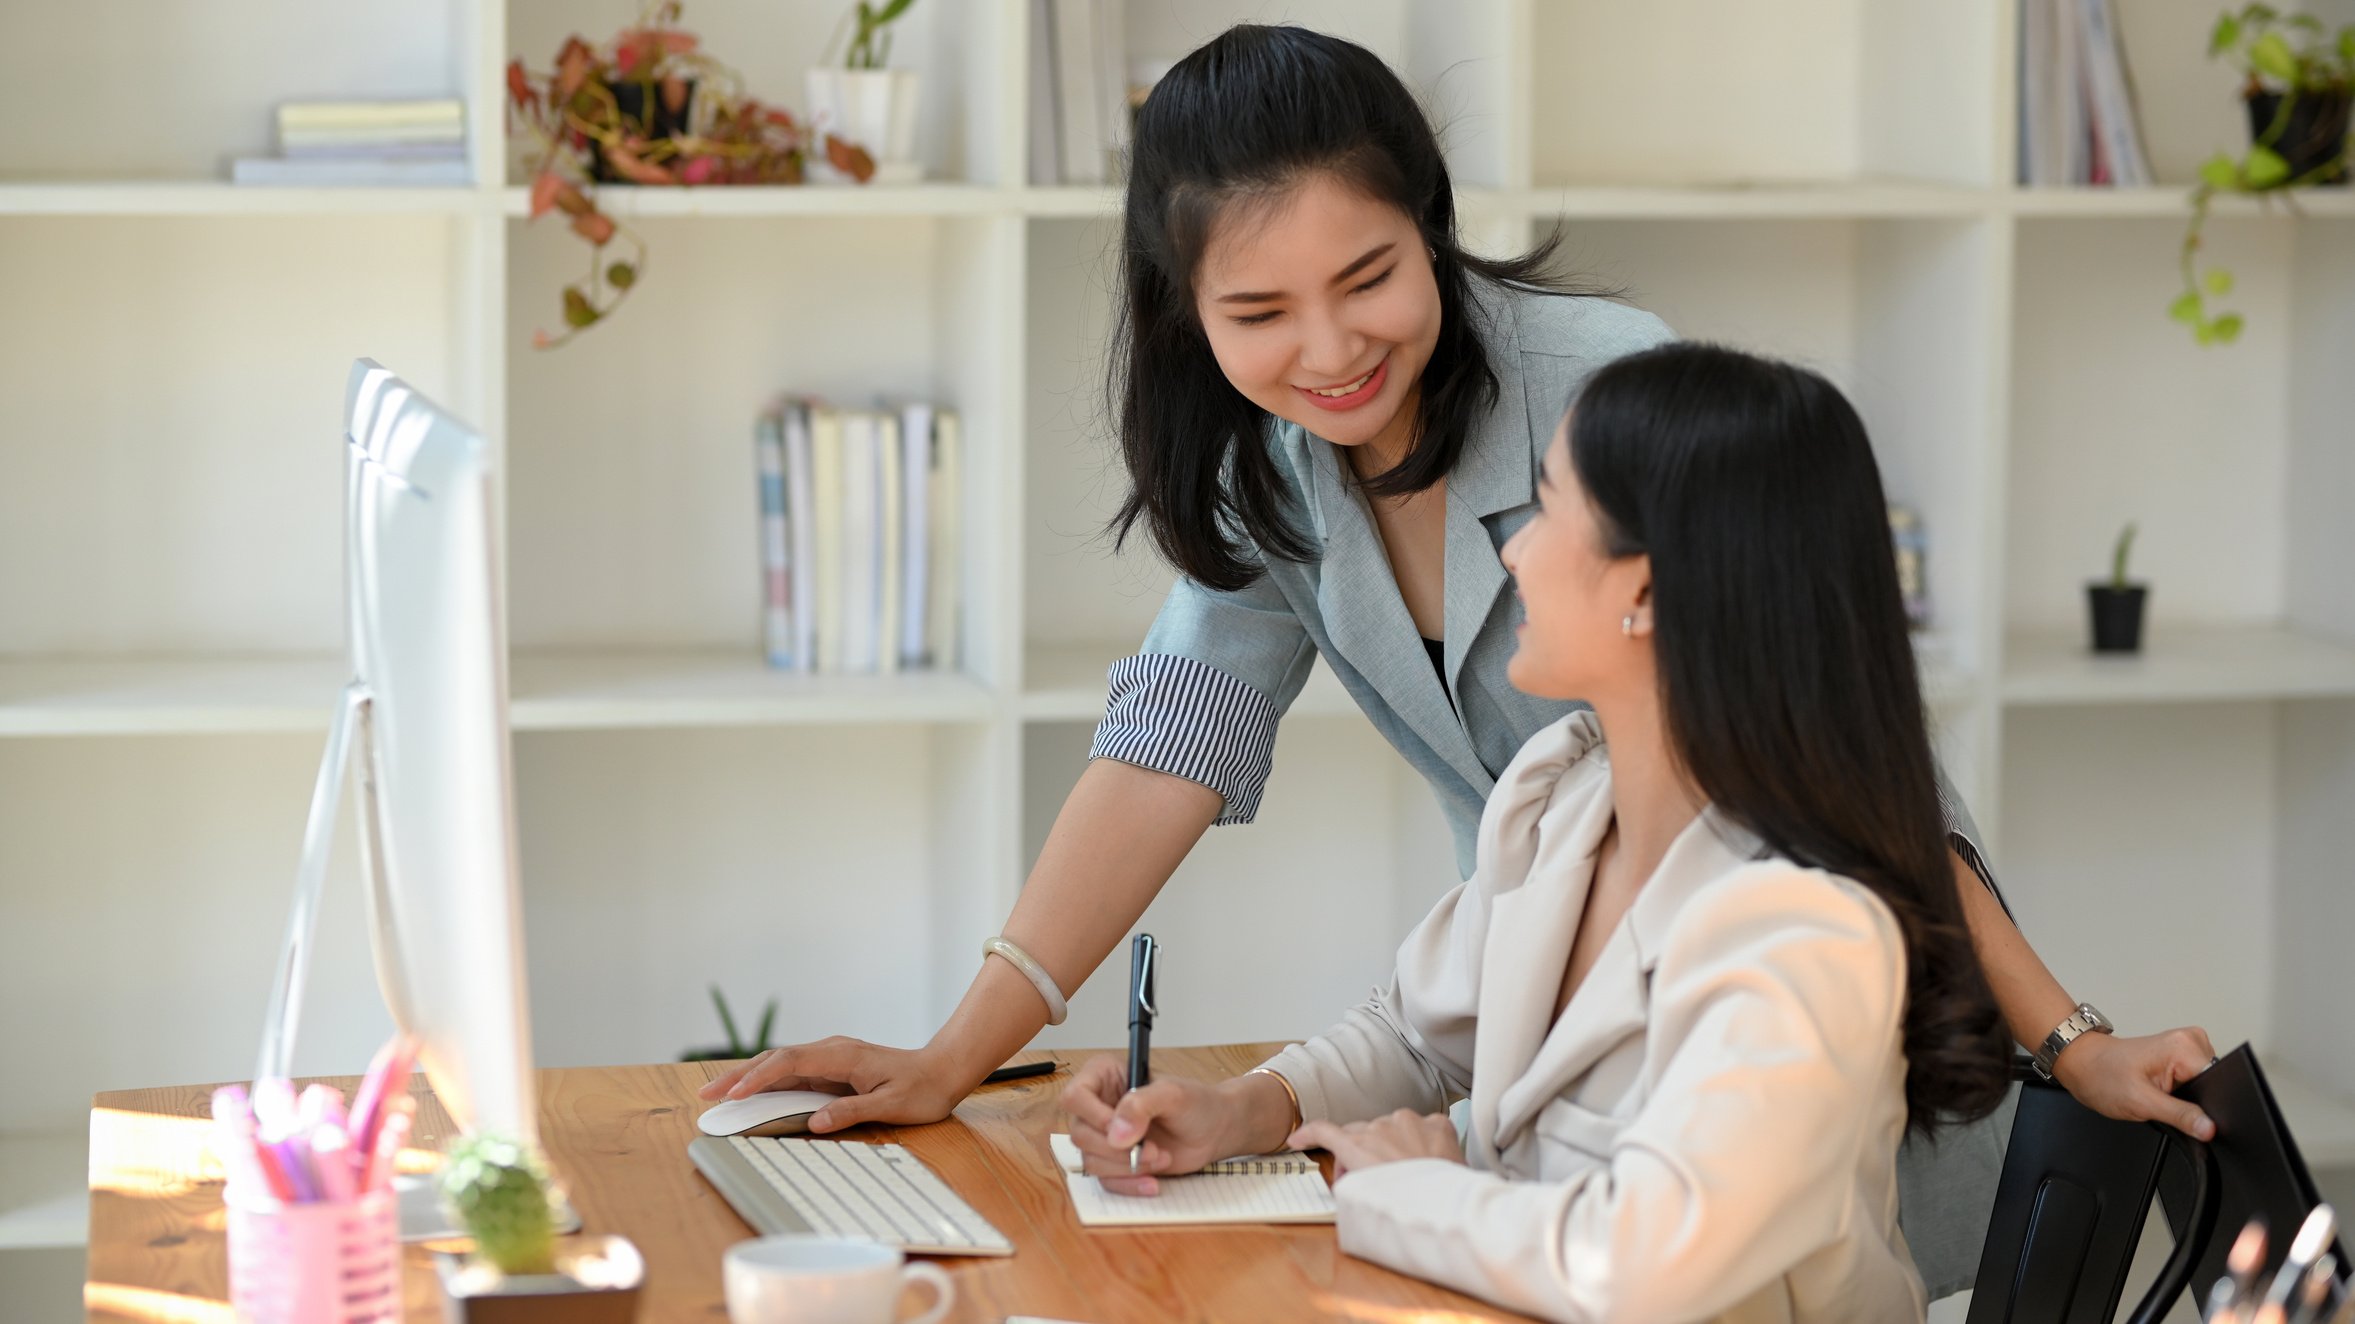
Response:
column 844, row 1188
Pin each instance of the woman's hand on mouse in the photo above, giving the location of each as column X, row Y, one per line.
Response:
column 1180, row 1124
column 896, row 1085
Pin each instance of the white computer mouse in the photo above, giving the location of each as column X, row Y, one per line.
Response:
column 777, row 1113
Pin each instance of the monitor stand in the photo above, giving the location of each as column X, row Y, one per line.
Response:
column 422, row 1216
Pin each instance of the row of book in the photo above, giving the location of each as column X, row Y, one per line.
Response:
column 859, row 527
column 2078, row 123
column 1083, row 91
column 418, row 143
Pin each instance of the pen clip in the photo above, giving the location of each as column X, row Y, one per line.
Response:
column 1144, row 989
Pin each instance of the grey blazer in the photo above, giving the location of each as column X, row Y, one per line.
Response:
column 1202, row 698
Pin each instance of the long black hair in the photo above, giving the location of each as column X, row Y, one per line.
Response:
column 1787, row 677
column 1246, row 118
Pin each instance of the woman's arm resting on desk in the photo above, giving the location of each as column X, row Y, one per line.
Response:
column 2131, row 1079
column 1121, row 834
column 1774, row 1027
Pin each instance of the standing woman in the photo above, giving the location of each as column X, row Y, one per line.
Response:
column 1332, row 417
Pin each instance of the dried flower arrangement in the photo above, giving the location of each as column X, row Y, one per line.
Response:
column 649, row 107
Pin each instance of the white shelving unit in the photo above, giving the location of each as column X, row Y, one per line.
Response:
column 2169, row 827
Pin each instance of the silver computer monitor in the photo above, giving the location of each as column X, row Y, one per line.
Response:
column 426, row 715
column 437, row 803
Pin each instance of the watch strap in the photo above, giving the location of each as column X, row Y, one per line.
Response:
column 2086, row 1019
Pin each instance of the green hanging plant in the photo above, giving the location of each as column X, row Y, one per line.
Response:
column 2298, row 71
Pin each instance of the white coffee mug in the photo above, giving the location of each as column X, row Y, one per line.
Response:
column 807, row 1279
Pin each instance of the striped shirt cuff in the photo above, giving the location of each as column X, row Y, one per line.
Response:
column 1189, row 719
column 1965, row 847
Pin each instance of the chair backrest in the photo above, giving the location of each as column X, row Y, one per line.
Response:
column 2069, row 1210
column 2258, row 1172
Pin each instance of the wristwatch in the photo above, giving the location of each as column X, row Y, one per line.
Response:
column 2087, row 1019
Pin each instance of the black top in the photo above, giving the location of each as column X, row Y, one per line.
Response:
column 1437, row 648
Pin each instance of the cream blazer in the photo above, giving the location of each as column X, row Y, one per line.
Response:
column 1710, row 1131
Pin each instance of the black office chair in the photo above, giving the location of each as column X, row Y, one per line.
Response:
column 2076, row 1186
column 2069, row 1210
column 2254, row 1171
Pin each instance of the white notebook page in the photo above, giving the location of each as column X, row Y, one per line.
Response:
column 1283, row 1188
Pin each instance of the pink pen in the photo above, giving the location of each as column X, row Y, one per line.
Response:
column 331, row 1159
column 319, row 1105
column 387, row 1078
column 273, row 1107
column 387, row 1155
column 295, row 1166
column 254, row 1159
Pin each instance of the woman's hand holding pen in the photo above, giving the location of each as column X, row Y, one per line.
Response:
column 1182, row 1124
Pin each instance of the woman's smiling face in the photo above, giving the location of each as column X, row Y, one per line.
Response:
column 1321, row 308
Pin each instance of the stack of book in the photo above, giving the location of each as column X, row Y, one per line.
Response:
column 1081, row 98
column 859, row 535
column 412, row 143
column 2077, row 117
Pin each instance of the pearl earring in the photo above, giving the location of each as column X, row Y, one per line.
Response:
column 1627, row 625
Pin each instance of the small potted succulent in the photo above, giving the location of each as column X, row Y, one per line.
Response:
column 518, row 1272
column 2115, row 605
column 865, row 103
column 737, row 1048
column 2298, row 80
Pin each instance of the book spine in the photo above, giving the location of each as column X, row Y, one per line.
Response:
column 827, row 487
column 858, row 541
column 1046, row 115
column 775, row 542
column 295, row 139
column 1077, row 97
column 945, row 504
column 444, row 110
column 799, row 515
column 339, row 172
column 1112, row 88
column 891, row 546
column 916, row 533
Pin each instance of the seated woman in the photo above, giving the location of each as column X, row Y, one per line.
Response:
column 1711, row 963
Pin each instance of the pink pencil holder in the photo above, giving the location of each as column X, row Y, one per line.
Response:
column 329, row 1261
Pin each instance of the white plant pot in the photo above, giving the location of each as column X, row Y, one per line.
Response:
column 873, row 108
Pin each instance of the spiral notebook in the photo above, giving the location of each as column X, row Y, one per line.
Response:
column 1267, row 1188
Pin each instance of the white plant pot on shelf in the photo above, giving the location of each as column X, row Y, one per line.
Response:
column 873, row 108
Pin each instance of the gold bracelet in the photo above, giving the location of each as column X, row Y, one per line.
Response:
column 1298, row 1118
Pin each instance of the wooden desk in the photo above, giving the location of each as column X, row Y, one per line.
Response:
column 619, row 1137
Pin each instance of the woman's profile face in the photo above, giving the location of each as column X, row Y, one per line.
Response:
column 1321, row 308
column 1577, row 597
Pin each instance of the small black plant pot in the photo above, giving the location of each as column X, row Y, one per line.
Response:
column 723, row 1053
column 2316, row 132
column 663, row 122
column 2117, row 616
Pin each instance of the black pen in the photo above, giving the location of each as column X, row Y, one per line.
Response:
column 1140, row 1023
column 1022, row 1072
